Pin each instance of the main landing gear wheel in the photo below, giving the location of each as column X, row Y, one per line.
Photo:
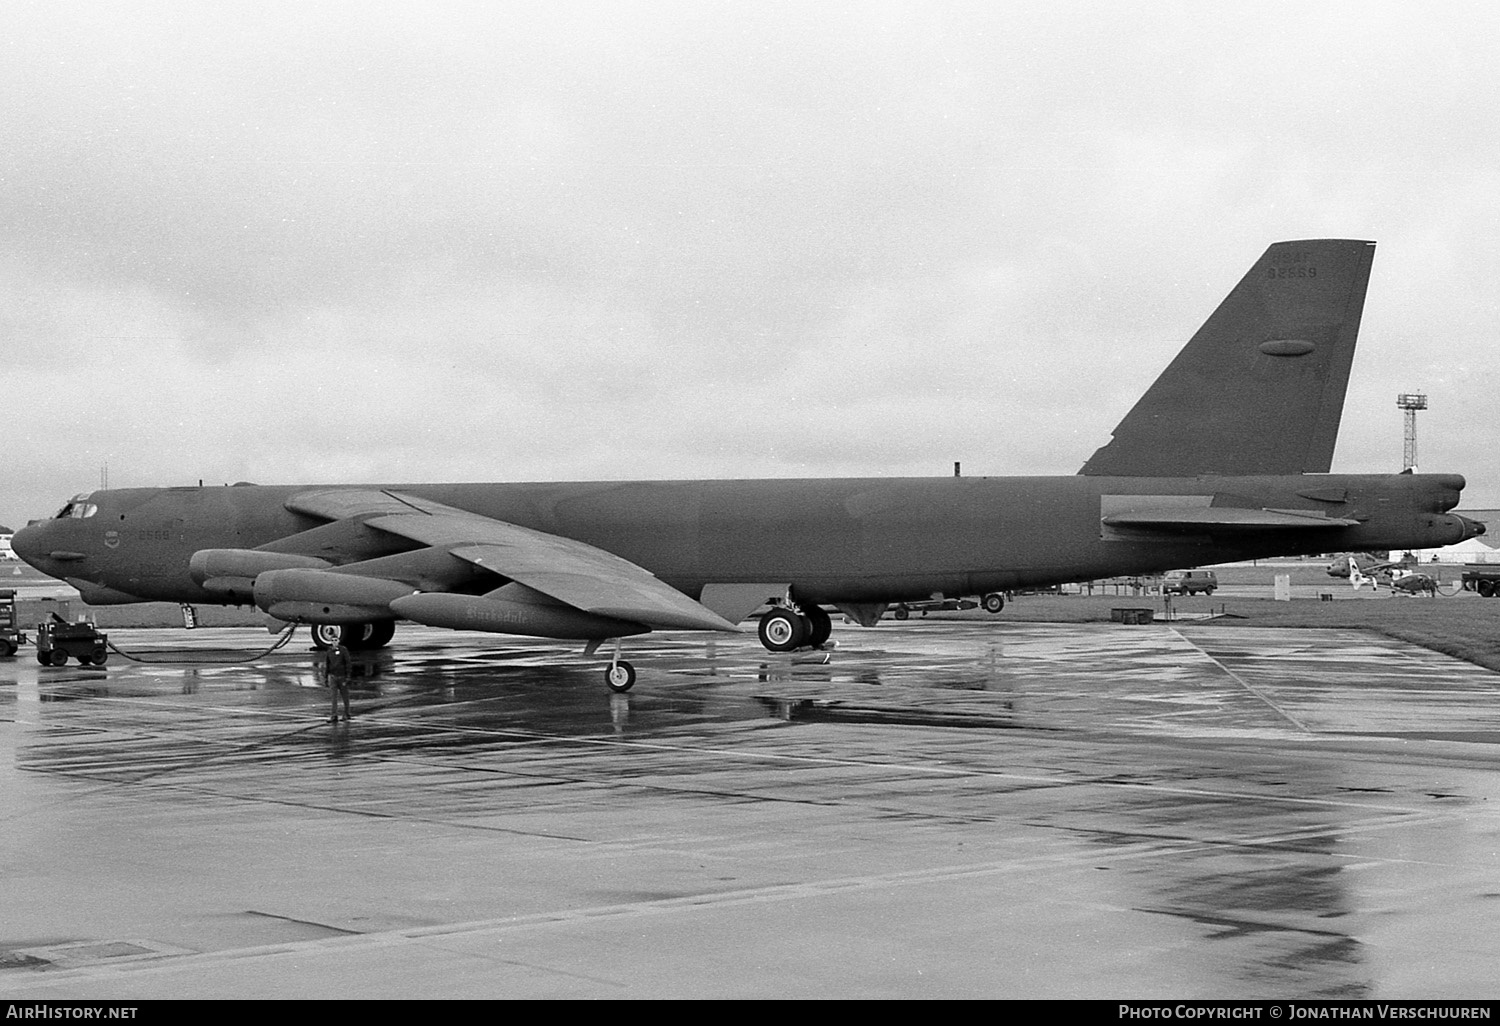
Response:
column 620, row 676
column 819, row 626
column 362, row 637
column 383, row 632
column 357, row 637
column 782, row 630
column 994, row 602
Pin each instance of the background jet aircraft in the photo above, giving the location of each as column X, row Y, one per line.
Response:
column 1215, row 463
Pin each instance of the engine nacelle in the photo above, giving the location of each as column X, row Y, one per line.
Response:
column 511, row 613
column 232, row 572
column 323, row 596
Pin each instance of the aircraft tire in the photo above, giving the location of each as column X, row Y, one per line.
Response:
column 619, row 676
column 993, row 602
column 362, row 637
column 356, row 636
column 326, row 635
column 782, row 630
column 819, row 626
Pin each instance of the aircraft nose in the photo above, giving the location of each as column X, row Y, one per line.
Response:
column 36, row 544
column 27, row 544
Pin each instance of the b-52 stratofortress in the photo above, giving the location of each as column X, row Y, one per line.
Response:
column 1226, row 457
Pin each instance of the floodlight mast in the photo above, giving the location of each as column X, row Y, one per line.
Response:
column 1411, row 402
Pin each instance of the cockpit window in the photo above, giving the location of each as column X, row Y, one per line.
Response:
column 77, row 508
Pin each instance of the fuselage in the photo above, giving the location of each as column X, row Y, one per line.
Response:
column 834, row 541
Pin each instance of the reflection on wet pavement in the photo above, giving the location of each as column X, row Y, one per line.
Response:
column 1145, row 811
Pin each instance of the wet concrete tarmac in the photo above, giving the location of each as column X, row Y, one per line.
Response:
column 932, row 810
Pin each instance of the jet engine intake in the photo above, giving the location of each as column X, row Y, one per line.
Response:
column 232, row 572
column 323, row 596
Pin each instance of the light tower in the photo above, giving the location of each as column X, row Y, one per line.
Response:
column 1411, row 402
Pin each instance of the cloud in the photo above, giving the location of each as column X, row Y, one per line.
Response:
column 347, row 242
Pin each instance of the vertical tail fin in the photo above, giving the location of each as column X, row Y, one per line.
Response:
column 1357, row 578
column 1260, row 388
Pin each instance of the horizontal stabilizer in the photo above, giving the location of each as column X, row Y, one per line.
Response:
column 1219, row 520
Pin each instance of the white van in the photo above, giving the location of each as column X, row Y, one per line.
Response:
column 1188, row 582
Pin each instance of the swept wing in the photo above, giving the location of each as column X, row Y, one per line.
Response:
column 570, row 572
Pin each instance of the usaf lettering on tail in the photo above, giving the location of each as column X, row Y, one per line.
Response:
column 1226, row 457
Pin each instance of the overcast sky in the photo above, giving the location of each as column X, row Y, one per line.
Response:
column 382, row 242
